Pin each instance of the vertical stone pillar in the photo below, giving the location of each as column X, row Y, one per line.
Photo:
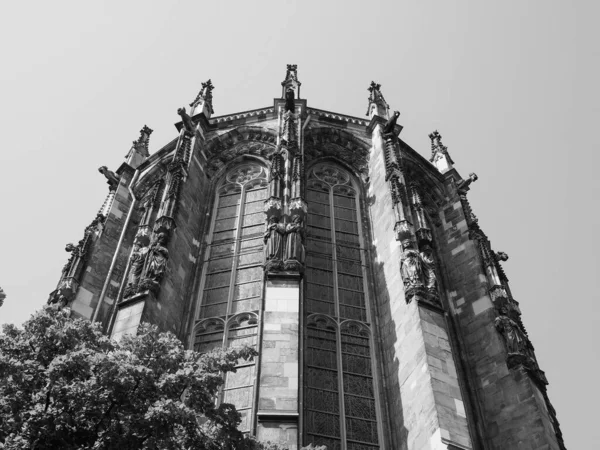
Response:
column 279, row 362
column 425, row 400
column 148, row 261
column 278, row 397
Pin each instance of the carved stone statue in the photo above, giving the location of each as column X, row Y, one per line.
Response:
column 111, row 177
column 273, row 239
column 294, row 246
column 410, row 266
column 59, row 301
column 391, row 123
column 516, row 340
column 188, row 124
column 138, row 258
column 156, row 262
column 428, row 268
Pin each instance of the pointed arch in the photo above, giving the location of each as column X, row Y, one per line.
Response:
column 339, row 144
column 246, row 140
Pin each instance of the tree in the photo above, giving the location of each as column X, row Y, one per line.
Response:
column 63, row 384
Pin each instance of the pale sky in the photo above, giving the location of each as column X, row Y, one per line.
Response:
column 510, row 85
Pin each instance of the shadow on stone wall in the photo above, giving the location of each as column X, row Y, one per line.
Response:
column 390, row 396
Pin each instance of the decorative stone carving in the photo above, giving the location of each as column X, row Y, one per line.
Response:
column 289, row 132
column 294, row 244
column 244, row 174
column 391, row 123
column 437, row 148
column 428, row 268
column 518, row 346
column 111, row 177
column 136, row 268
column 403, row 230
column 339, row 144
column 439, row 153
column 188, row 124
column 156, row 263
column 141, row 145
column 297, row 177
column 290, row 100
column 273, row 207
column 273, row 238
column 298, row 206
column 58, row 301
column 291, row 81
column 463, row 186
column 410, row 266
column 377, row 104
column 276, row 176
column 74, row 269
column 148, row 206
column 516, row 341
column 501, row 256
column 204, row 98
column 418, row 272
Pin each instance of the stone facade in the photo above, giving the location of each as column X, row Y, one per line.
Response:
column 382, row 315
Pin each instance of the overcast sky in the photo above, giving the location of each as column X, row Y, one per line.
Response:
column 512, row 86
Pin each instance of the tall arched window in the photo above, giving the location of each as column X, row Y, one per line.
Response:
column 339, row 392
column 231, row 287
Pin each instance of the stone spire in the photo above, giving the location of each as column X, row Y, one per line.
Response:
column 377, row 104
column 291, row 81
column 439, row 153
column 203, row 101
column 139, row 149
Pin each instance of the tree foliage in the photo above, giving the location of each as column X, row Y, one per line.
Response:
column 63, row 384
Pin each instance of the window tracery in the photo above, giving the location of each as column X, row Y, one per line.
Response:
column 339, row 396
column 232, row 284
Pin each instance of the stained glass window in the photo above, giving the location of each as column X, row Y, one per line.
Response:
column 233, row 279
column 339, row 398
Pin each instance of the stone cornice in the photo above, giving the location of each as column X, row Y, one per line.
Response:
column 242, row 115
column 336, row 116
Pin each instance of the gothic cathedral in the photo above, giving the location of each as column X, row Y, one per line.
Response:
column 353, row 264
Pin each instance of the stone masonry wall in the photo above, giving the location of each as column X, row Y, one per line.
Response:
column 101, row 258
column 173, row 306
column 511, row 409
column 385, row 255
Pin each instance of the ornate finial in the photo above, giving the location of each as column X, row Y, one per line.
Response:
column 439, row 153
column 374, row 87
column 203, row 101
column 141, row 145
column 143, row 141
column 434, row 136
column 291, row 81
column 145, row 133
column 208, row 86
column 377, row 104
